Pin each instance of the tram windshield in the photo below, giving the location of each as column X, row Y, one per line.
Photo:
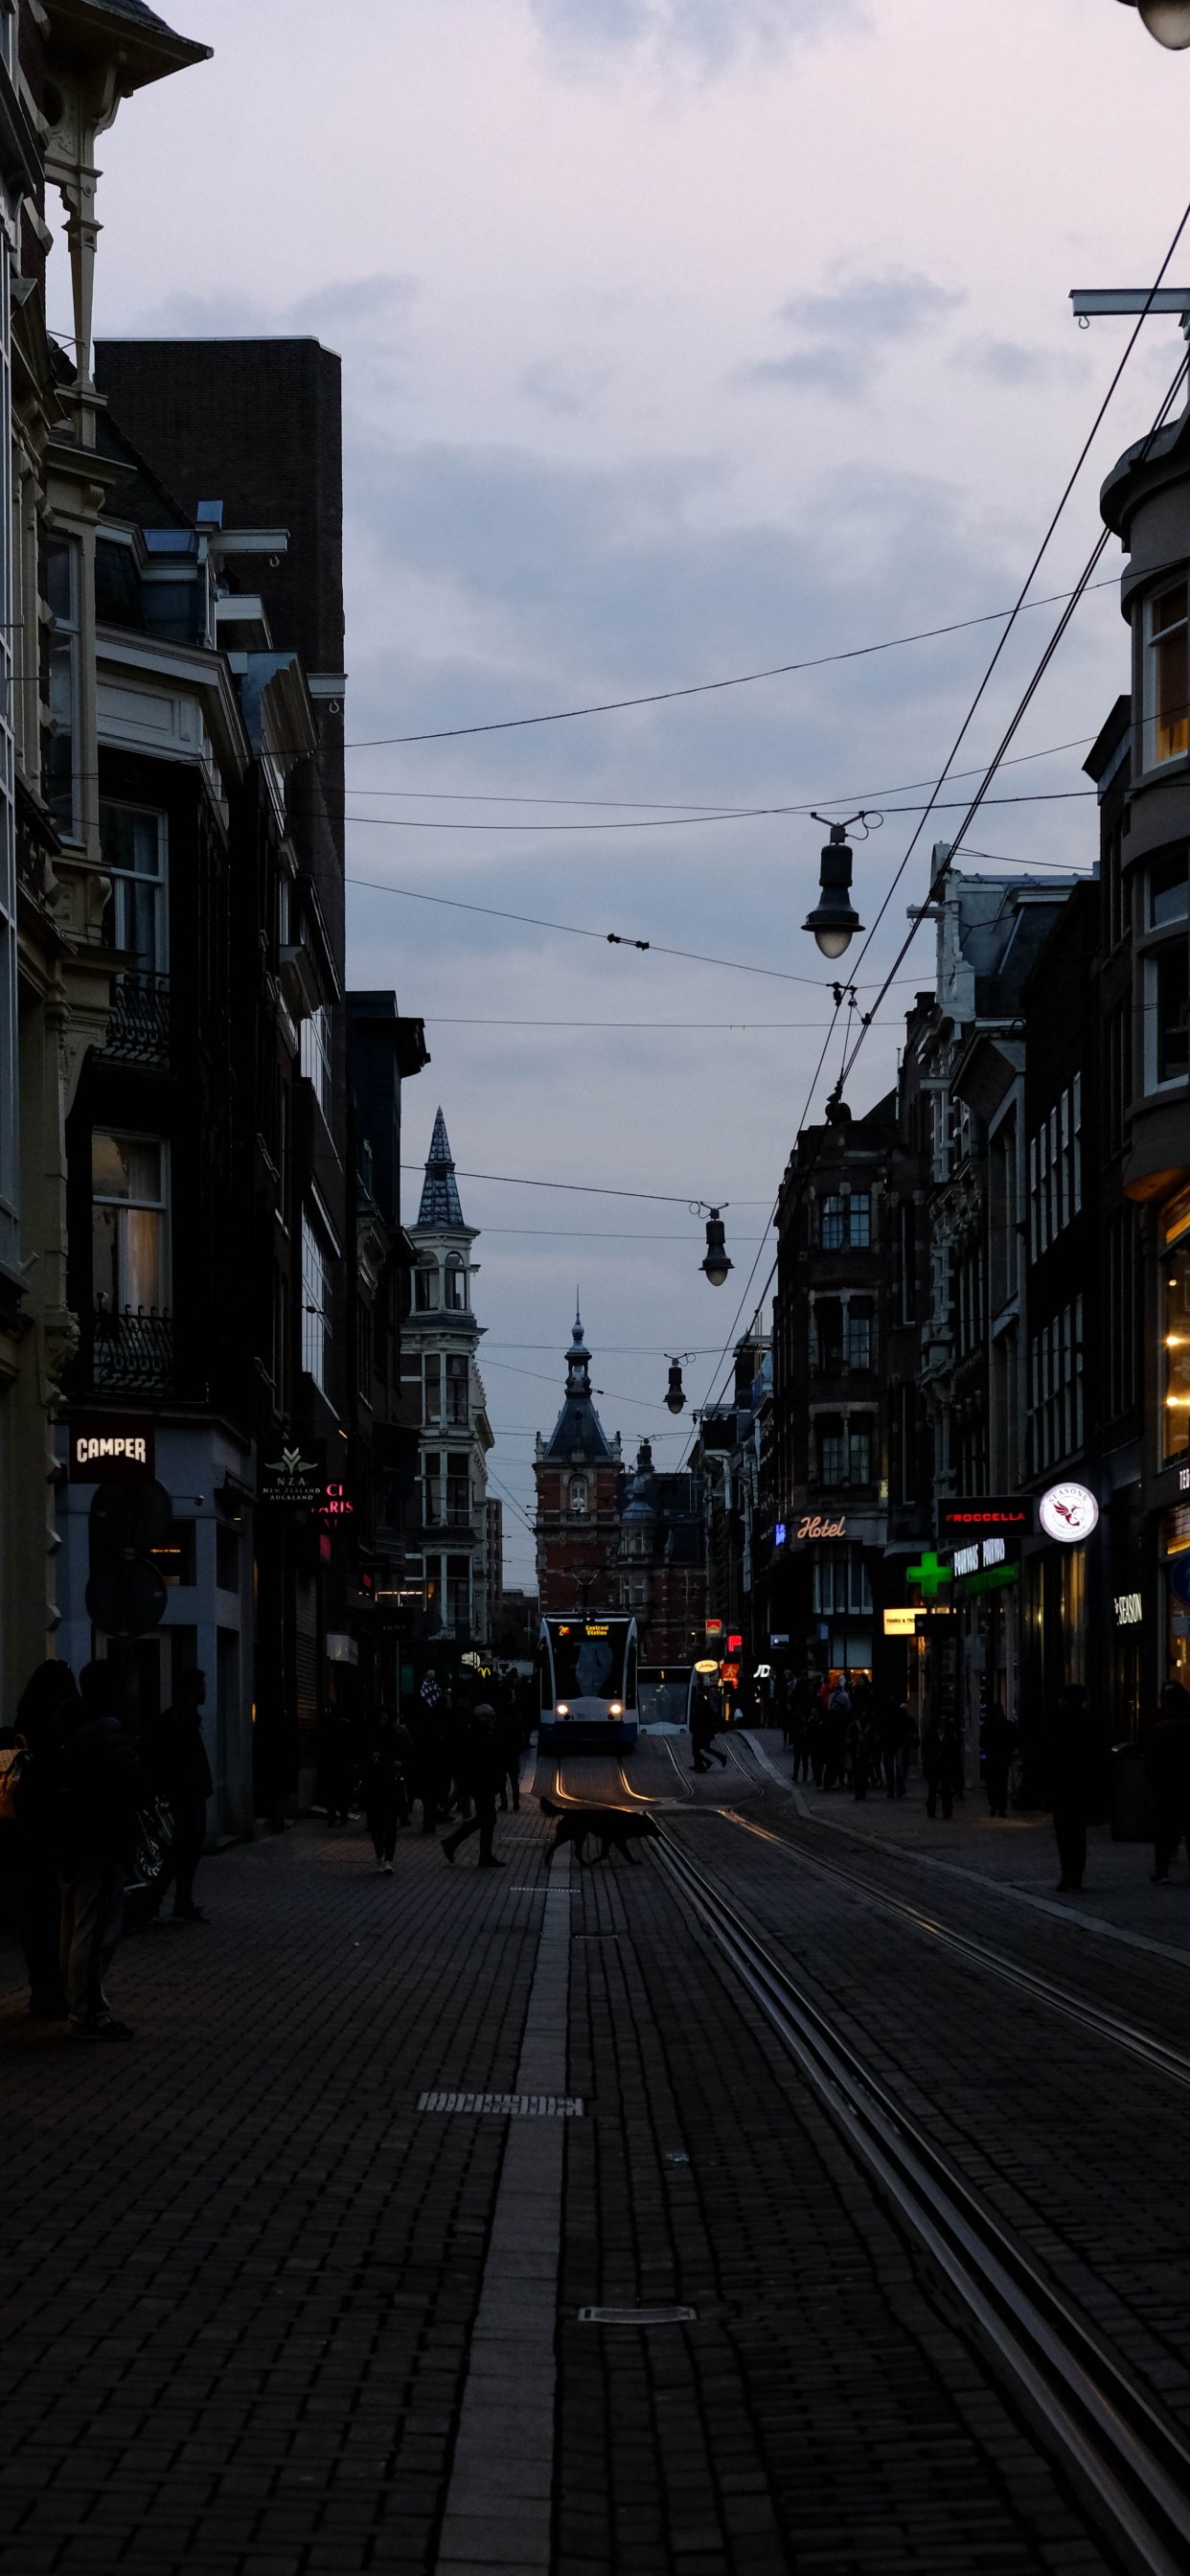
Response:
column 589, row 1658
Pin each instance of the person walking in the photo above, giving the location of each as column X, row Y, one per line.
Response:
column 477, row 1762
column 386, row 1801
column 1167, row 1767
column 999, row 1739
column 508, row 1752
column 939, row 1762
column 1071, row 1765
column 174, row 1759
column 862, row 1751
column 835, row 1726
column 704, row 1727
column 100, row 1792
column 42, row 1722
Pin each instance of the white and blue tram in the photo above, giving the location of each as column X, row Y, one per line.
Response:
column 588, row 1682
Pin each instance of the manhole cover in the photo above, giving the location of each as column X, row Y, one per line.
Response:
column 638, row 2316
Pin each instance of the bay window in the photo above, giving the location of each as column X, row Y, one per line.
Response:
column 1167, row 711
column 129, row 1223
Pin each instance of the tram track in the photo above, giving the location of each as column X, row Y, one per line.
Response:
column 1130, row 2468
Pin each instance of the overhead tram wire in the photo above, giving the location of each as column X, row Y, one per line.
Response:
column 709, row 688
column 681, row 822
column 981, row 793
column 596, row 1189
column 572, row 930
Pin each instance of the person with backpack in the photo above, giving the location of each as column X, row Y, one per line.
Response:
column 477, row 1763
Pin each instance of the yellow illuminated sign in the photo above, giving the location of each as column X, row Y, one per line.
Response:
column 900, row 1623
column 592, row 1631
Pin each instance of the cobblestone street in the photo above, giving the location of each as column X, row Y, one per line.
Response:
column 267, row 2314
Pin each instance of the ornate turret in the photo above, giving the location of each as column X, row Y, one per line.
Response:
column 440, row 1203
column 578, row 1431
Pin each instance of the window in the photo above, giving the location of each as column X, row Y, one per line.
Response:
column 845, row 1449
column 433, row 1491
column 1167, row 995
column 832, row 1452
column 845, row 1220
column 1056, row 1388
column 1115, row 888
column 456, row 1286
column 425, row 1289
column 578, row 1497
column 1117, row 1076
column 457, row 1375
column 8, row 37
column 458, row 1491
column 1175, row 1292
column 62, row 589
column 130, row 1223
column 859, row 1334
column 133, row 844
column 433, row 1408
column 908, row 1260
column 316, row 1056
column 841, row 1584
column 831, row 1225
column 1166, row 691
column 458, row 1594
column 316, row 1305
column 227, row 1557
column 859, row 1227
column 1168, row 891
column 828, row 1335
column 1056, row 1169
column 859, row 1451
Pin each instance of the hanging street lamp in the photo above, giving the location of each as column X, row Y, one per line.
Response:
column 1167, row 20
column 834, row 919
column 716, row 1263
column 675, row 1393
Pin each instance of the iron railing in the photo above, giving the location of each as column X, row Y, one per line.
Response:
column 138, row 1031
column 133, row 1350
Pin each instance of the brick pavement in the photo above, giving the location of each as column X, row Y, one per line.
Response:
column 246, row 2272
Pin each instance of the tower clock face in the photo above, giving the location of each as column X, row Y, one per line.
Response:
column 1068, row 1512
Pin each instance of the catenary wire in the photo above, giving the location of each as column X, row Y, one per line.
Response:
column 700, row 804
column 594, row 1189
column 708, row 688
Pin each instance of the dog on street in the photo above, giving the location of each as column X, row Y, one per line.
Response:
column 614, row 1828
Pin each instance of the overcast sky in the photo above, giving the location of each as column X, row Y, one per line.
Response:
column 680, row 338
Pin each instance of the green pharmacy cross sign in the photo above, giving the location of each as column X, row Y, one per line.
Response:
column 931, row 1574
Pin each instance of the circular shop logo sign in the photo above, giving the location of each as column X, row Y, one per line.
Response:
column 1068, row 1512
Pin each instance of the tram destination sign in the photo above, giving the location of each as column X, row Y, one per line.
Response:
column 986, row 1516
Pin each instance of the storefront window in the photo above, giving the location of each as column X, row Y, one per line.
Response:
column 1175, row 1326
column 1175, row 1538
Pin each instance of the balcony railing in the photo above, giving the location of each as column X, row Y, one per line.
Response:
column 134, row 1351
column 139, row 1027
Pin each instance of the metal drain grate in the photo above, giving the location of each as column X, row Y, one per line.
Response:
column 508, row 2106
column 638, row 2316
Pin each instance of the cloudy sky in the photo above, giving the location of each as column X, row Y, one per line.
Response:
column 681, row 338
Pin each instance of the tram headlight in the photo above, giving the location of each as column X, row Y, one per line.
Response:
column 563, row 1708
column 616, row 1708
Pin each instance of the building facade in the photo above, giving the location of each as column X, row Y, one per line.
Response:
column 578, row 1477
column 444, row 1386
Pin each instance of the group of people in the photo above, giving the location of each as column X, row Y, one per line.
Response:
column 82, row 1792
column 456, row 1757
column 854, row 1738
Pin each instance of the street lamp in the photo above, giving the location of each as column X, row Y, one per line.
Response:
column 716, row 1263
column 676, row 1393
column 1167, row 20
column 834, row 919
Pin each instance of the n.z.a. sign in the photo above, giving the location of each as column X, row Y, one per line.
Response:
column 295, row 1473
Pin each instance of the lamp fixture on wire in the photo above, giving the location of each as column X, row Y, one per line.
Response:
column 1167, row 20
column 834, row 919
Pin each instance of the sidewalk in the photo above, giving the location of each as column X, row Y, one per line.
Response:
column 1014, row 1854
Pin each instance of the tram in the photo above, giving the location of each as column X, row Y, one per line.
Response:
column 588, row 1682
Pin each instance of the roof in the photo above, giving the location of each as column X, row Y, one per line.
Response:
column 578, row 1431
column 440, row 1204
column 149, row 48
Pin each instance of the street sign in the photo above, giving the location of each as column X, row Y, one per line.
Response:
column 110, row 1445
column 294, row 1473
column 126, row 1597
column 1068, row 1512
column 1011, row 1515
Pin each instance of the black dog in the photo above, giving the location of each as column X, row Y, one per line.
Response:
column 611, row 1827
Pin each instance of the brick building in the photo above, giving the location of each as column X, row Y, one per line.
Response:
column 578, row 1475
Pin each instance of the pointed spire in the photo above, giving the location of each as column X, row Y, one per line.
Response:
column 439, row 1196
column 578, row 1431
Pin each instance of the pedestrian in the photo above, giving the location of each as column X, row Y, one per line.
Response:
column 386, row 1800
column 704, row 1727
column 41, row 1724
column 1167, row 1766
column 100, row 1793
column 835, row 1726
column 862, row 1751
column 940, row 1759
column 906, row 1745
column 804, row 1713
column 174, row 1761
column 1071, row 1767
column 888, row 1736
column 508, row 1751
column 999, row 1739
column 477, row 1761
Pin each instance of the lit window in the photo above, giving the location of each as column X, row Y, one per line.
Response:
column 129, row 1224
column 1175, row 1291
column 316, row 1305
column 1166, row 692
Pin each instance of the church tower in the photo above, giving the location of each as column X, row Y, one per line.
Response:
column 439, row 1340
column 578, row 1477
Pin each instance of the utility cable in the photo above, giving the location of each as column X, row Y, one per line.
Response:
column 707, row 688
column 594, row 1189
